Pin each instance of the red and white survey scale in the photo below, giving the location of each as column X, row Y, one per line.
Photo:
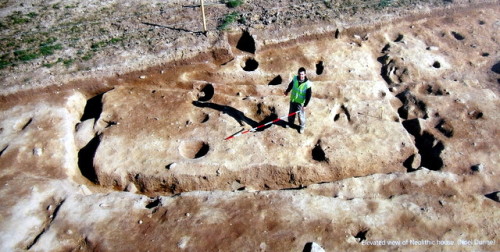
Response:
column 261, row 126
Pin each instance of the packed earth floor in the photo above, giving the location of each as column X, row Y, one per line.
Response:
column 116, row 141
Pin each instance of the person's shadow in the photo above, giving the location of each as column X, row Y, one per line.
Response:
column 239, row 116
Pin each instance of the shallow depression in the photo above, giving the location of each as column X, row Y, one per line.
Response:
column 193, row 149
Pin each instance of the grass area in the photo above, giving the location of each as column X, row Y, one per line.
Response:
column 233, row 3
column 104, row 43
column 46, row 48
column 384, row 3
column 229, row 19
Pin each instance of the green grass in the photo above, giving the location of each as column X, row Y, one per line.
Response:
column 32, row 15
column 68, row 62
column 228, row 20
column 87, row 56
column 234, row 3
column 49, row 49
column 26, row 55
column 19, row 18
column 104, row 43
column 384, row 3
column 4, row 64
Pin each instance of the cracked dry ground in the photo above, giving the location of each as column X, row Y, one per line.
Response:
column 401, row 144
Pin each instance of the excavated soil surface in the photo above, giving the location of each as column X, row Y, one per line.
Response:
column 400, row 151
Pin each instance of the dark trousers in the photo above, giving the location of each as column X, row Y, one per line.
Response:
column 302, row 115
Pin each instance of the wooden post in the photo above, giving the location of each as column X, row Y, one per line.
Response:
column 203, row 15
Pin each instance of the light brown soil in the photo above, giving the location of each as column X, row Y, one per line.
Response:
column 400, row 145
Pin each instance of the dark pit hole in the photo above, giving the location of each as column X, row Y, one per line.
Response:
column 412, row 126
column 27, row 124
column 429, row 89
column 318, row 154
column 403, row 111
column 476, row 168
column 154, row 91
column 428, row 146
column 205, row 118
column 386, row 48
column 308, row 247
column 457, row 35
column 445, row 128
column 208, row 92
column 194, row 149
column 110, row 123
column 336, row 118
column 481, row 22
column 337, row 33
column 436, row 64
column 246, row 43
column 485, row 54
column 155, row 203
column 409, row 100
column 346, row 112
column 475, row 114
column 203, row 151
column 276, row 81
column 320, row 68
column 93, row 108
column 259, row 109
column 430, row 151
column 251, row 65
column 493, row 196
column 408, row 163
column 86, row 159
column 361, row 235
column 496, row 68
column 399, row 38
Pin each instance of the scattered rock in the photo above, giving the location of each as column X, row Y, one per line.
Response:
column 171, row 166
column 84, row 133
column 37, row 151
column 183, row 242
column 84, row 190
column 131, row 188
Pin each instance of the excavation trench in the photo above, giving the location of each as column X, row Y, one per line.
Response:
column 171, row 139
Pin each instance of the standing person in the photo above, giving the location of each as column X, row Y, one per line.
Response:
column 300, row 97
